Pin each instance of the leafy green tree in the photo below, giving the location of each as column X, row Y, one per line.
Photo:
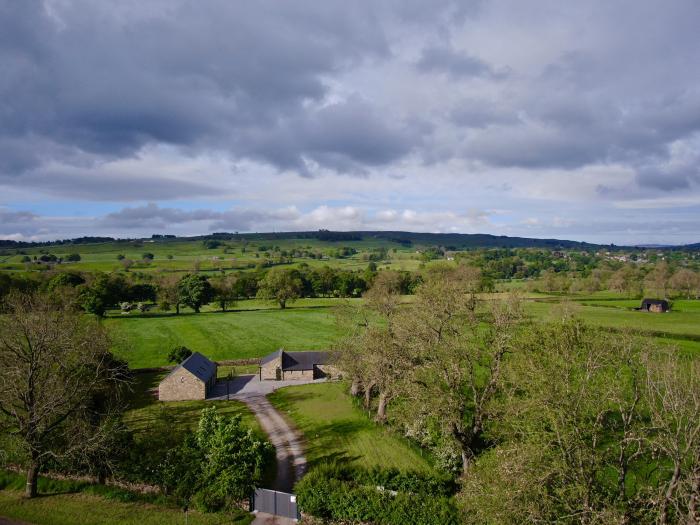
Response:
column 225, row 291
column 73, row 257
column 219, row 465
column 147, row 256
column 194, row 290
column 179, row 354
column 281, row 285
column 59, row 384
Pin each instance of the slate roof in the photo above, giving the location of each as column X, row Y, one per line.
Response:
column 661, row 302
column 198, row 365
column 297, row 360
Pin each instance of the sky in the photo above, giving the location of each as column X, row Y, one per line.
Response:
column 570, row 120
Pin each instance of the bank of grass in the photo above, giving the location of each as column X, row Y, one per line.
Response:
column 80, row 503
column 336, row 430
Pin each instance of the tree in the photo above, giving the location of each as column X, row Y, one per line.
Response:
column 147, row 256
column 225, row 291
column 73, row 257
column 179, row 354
column 194, row 290
column 673, row 390
column 219, row 465
column 687, row 282
column 54, row 365
column 168, row 293
column 280, row 285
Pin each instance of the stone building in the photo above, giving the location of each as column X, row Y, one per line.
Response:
column 289, row 366
column 190, row 380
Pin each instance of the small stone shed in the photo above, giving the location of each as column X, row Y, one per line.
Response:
column 192, row 379
column 288, row 366
column 654, row 305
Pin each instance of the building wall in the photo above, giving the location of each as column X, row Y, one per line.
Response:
column 182, row 386
column 269, row 369
column 329, row 371
column 295, row 375
column 657, row 308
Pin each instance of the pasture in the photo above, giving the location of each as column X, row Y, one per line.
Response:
column 335, row 429
column 145, row 340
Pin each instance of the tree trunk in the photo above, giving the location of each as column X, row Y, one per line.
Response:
column 355, row 388
column 177, row 308
column 693, row 512
column 368, row 395
column 30, row 490
column 283, row 304
column 381, row 408
column 670, row 490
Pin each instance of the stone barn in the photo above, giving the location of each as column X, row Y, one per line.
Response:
column 192, row 379
column 654, row 305
column 288, row 366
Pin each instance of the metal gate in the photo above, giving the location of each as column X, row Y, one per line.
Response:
column 277, row 503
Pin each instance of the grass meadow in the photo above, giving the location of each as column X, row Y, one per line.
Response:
column 256, row 328
column 336, row 430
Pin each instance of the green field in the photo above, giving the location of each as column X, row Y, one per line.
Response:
column 144, row 341
column 182, row 255
column 88, row 509
column 336, row 430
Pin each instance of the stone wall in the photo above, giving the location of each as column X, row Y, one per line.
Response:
column 329, row 371
column 269, row 369
column 295, row 375
column 182, row 386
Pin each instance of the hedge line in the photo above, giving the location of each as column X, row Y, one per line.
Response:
column 384, row 497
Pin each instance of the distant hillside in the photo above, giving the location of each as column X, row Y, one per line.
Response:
column 451, row 241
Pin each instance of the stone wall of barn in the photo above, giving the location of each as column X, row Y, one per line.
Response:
column 296, row 375
column 329, row 371
column 182, row 386
column 269, row 369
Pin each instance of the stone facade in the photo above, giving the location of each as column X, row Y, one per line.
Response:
column 271, row 370
column 296, row 375
column 328, row 371
column 192, row 379
column 182, row 386
column 293, row 366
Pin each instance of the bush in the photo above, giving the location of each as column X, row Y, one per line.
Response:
column 384, row 497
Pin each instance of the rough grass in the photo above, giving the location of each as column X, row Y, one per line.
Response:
column 336, row 430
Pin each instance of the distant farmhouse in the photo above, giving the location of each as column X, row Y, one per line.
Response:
column 190, row 380
column 289, row 366
column 654, row 305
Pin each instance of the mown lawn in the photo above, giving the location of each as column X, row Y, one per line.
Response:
column 89, row 509
column 334, row 429
column 145, row 341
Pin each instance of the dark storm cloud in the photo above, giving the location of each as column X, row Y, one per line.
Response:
column 107, row 79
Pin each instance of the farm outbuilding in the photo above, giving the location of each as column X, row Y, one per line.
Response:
column 654, row 305
column 192, row 379
column 288, row 366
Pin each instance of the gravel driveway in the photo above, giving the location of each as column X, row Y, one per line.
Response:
column 291, row 463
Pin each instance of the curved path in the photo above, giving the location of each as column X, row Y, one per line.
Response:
column 291, row 463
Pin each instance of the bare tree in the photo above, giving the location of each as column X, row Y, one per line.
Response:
column 673, row 391
column 59, row 384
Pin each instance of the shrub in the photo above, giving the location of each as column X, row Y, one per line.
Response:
column 384, row 497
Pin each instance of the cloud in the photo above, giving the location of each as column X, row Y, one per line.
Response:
column 487, row 104
column 457, row 64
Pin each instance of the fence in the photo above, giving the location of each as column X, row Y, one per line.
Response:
column 277, row 503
